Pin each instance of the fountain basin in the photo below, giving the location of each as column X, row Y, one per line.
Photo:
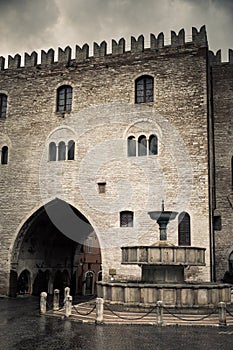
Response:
column 186, row 295
column 163, row 255
column 162, row 215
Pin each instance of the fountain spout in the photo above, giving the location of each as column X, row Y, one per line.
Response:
column 162, row 205
column 163, row 217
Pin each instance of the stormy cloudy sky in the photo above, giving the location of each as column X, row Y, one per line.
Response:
column 28, row 25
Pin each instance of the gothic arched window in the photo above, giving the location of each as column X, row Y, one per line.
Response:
column 142, row 146
column 231, row 262
column 131, row 146
column 52, row 151
column 64, row 98
column 153, row 145
column 126, row 219
column 184, row 229
column 71, row 149
column 4, row 156
column 232, row 172
column 3, row 106
column 144, row 89
column 61, row 150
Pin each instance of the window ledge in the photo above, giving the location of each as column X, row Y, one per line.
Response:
column 63, row 114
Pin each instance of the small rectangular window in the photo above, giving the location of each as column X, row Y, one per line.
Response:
column 126, row 219
column 90, row 245
column 102, row 187
column 217, row 223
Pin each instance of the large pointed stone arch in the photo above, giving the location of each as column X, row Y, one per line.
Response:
column 51, row 240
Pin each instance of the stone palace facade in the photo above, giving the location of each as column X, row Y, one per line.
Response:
column 90, row 143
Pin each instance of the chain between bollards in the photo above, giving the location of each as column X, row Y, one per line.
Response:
column 222, row 309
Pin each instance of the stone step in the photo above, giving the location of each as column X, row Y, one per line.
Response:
column 84, row 312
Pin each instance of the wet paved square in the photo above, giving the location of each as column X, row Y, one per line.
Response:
column 22, row 328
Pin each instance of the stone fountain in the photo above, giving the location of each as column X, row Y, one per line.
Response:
column 162, row 276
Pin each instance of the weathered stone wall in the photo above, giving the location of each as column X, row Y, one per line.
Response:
column 222, row 76
column 103, row 115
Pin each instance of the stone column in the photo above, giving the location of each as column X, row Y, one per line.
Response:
column 56, row 299
column 68, row 305
column 99, row 310
column 159, row 313
column 222, row 313
column 43, row 302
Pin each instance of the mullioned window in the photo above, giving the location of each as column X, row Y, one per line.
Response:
column 3, row 106
column 64, row 98
column 144, row 89
column 142, row 146
column 61, row 151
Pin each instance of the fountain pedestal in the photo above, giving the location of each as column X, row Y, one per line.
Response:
column 162, row 274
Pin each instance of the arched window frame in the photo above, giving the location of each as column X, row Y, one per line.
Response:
column 144, row 89
column 153, row 145
column 92, row 276
column 184, row 230
column 61, row 150
column 230, row 262
column 4, row 155
column 64, row 98
column 3, row 106
column 126, row 218
column 99, row 275
column 131, row 146
column 52, row 152
column 71, row 150
column 142, row 146
column 232, row 172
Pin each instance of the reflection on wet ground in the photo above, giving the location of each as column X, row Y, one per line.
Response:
column 22, row 328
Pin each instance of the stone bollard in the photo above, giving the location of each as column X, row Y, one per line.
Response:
column 43, row 302
column 222, row 313
column 159, row 313
column 66, row 293
column 99, row 310
column 56, row 299
column 68, row 305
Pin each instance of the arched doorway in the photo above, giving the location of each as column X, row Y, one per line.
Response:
column 48, row 248
column 89, row 281
column 58, row 281
column 13, row 283
column 41, row 282
column 23, row 283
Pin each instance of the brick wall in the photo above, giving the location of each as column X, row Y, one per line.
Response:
column 222, row 74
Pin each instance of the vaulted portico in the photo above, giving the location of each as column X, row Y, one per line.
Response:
column 47, row 249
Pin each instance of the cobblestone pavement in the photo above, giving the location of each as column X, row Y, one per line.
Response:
column 22, row 328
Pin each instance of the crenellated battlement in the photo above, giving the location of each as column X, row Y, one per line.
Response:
column 137, row 45
column 217, row 58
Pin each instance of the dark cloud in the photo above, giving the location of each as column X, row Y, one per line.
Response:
column 33, row 24
column 96, row 20
column 26, row 23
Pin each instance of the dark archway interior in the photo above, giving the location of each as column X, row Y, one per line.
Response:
column 52, row 240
